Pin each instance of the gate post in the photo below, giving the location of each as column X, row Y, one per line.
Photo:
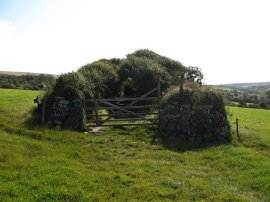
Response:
column 159, row 105
column 96, row 112
column 43, row 111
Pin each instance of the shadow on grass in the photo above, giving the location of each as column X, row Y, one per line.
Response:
column 180, row 145
column 150, row 134
column 34, row 120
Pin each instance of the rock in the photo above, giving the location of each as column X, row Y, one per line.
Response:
column 197, row 124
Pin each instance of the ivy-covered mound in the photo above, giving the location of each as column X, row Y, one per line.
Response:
column 195, row 117
column 134, row 75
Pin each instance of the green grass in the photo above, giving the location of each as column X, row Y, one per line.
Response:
column 126, row 165
column 254, row 127
column 15, row 105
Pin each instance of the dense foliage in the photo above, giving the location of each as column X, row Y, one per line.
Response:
column 134, row 75
column 26, row 82
column 194, row 94
column 71, row 85
column 193, row 74
column 142, row 70
column 102, row 78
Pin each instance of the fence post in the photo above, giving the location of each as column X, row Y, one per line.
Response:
column 237, row 128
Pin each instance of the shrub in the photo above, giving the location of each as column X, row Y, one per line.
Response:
column 71, row 85
column 194, row 94
column 171, row 66
column 102, row 77
column 144, row 69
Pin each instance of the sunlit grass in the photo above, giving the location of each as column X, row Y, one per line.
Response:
column 126, row 164
column 254, row 127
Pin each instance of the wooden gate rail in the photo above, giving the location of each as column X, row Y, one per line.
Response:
column 130, row 107
column 120, row 108
column 122, row 99
column 122, row 114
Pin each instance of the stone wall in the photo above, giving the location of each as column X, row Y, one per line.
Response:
column 67, row 114
column 187, row 125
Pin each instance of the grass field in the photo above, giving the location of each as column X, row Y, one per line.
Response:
column 254, row 126
column 38, row 164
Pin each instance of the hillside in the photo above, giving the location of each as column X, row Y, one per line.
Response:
column 39, row 164
column 26, row 81
column 246, row 94
column 252, row 87
column 25, row 73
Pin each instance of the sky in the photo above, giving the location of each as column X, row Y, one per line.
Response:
column 228, row 39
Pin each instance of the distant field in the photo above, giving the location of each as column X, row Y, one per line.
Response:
column 251, row 95
column 259, row 87
column 25, row 73
column 39, row 164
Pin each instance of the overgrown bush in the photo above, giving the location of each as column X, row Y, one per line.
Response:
column 72, row 85
column 172, row 67
column 193, row 94
column 144, row 69
column 135, row 75
column 138, row 73
column 102, row 77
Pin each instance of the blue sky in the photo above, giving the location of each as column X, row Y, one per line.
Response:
column 23, row 13
column 17, row 11
column 228, row 39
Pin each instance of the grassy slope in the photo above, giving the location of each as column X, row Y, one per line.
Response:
column 260, row 87
column 25, row 73
column 121, row 165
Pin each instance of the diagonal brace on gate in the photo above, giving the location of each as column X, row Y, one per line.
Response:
column 121, row 109
column 125, row 110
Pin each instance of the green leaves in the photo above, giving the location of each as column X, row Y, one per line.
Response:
column 102, row 77
column 71, row 85
column 146, row 68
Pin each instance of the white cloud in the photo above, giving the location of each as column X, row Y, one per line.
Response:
column 228, row 39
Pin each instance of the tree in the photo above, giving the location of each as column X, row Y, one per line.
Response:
column 190, row 74
column 194, row 74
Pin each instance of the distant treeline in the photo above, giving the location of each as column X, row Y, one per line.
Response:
column 26, row 82
column 245, row 98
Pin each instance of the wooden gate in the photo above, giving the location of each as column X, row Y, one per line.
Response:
column 128, row 111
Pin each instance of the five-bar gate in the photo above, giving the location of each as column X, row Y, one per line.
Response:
column 142, row 110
